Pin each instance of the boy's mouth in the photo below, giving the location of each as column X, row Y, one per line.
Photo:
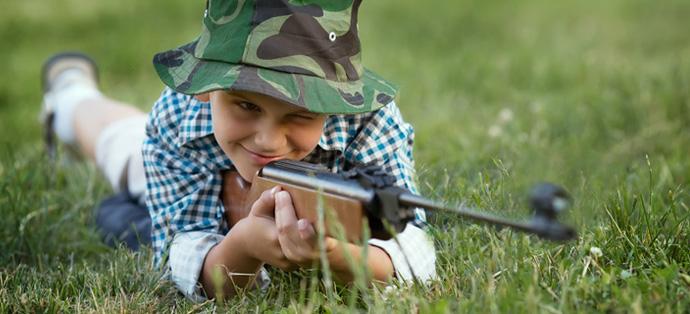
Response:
column 262, row 159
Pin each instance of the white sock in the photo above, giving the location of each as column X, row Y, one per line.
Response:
column 70, row 88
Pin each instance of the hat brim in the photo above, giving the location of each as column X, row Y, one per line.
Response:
column 184, row 73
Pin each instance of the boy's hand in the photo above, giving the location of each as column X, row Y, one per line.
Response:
column 297, row 237
column 299, row 243
column 262, row 236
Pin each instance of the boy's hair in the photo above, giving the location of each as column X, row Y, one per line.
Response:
column 305, row 53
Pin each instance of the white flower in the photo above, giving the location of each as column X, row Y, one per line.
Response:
column 495, row 131
column 595, row 251
column 390, row 291
column 505, row 116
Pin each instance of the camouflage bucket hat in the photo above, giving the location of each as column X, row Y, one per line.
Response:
column 303, row 52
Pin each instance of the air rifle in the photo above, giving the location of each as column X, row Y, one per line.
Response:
column 369, row 191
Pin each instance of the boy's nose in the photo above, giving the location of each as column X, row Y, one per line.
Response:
column 271, row 138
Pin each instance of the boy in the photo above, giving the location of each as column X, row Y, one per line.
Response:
column 266, row 80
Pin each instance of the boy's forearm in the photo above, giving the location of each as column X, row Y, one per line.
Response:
column 227, row 265
column 377, row 259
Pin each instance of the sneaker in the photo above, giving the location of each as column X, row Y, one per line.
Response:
column 53, row 82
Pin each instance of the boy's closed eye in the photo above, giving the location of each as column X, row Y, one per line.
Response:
column 306, row 116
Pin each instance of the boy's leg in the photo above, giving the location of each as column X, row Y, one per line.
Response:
column 110, row 133
column 107, row 131
column 92, row 116
column 118, row 156
column 73, row 106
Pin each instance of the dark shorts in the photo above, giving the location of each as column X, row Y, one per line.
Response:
column 124, row 221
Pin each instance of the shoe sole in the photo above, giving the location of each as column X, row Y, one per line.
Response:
column 62, row 61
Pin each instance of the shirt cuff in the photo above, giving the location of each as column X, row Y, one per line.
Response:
column 414, row 257
column 187, row 254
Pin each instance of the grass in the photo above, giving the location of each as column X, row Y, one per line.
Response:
column 591, row 95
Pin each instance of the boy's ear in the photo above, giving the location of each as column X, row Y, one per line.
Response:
column 205, row 97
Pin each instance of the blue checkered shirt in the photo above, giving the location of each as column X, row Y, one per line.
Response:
column 184, row 165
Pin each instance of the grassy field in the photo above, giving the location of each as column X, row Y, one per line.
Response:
column 591, row 95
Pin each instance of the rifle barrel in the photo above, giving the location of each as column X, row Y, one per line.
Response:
column 417, row 201
column 550, row 229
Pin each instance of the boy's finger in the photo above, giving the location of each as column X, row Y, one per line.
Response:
column 265, row 205
column 286, row 218
column 306, row 231
column 297, row 237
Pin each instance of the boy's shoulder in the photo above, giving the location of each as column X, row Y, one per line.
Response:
column 173, row 105
column 367, row 137
column 180, row 117
column 372, row 123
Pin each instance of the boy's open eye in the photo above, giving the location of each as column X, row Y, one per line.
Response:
column 249, row 106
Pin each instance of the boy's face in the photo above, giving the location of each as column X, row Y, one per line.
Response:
column 254, row 129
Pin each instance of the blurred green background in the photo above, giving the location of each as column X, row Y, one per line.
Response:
column 557, row 91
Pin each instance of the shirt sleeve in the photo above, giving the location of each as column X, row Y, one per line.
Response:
column 182, row 197
column 387, row 140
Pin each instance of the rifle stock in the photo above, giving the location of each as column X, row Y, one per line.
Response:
column 239, row 195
